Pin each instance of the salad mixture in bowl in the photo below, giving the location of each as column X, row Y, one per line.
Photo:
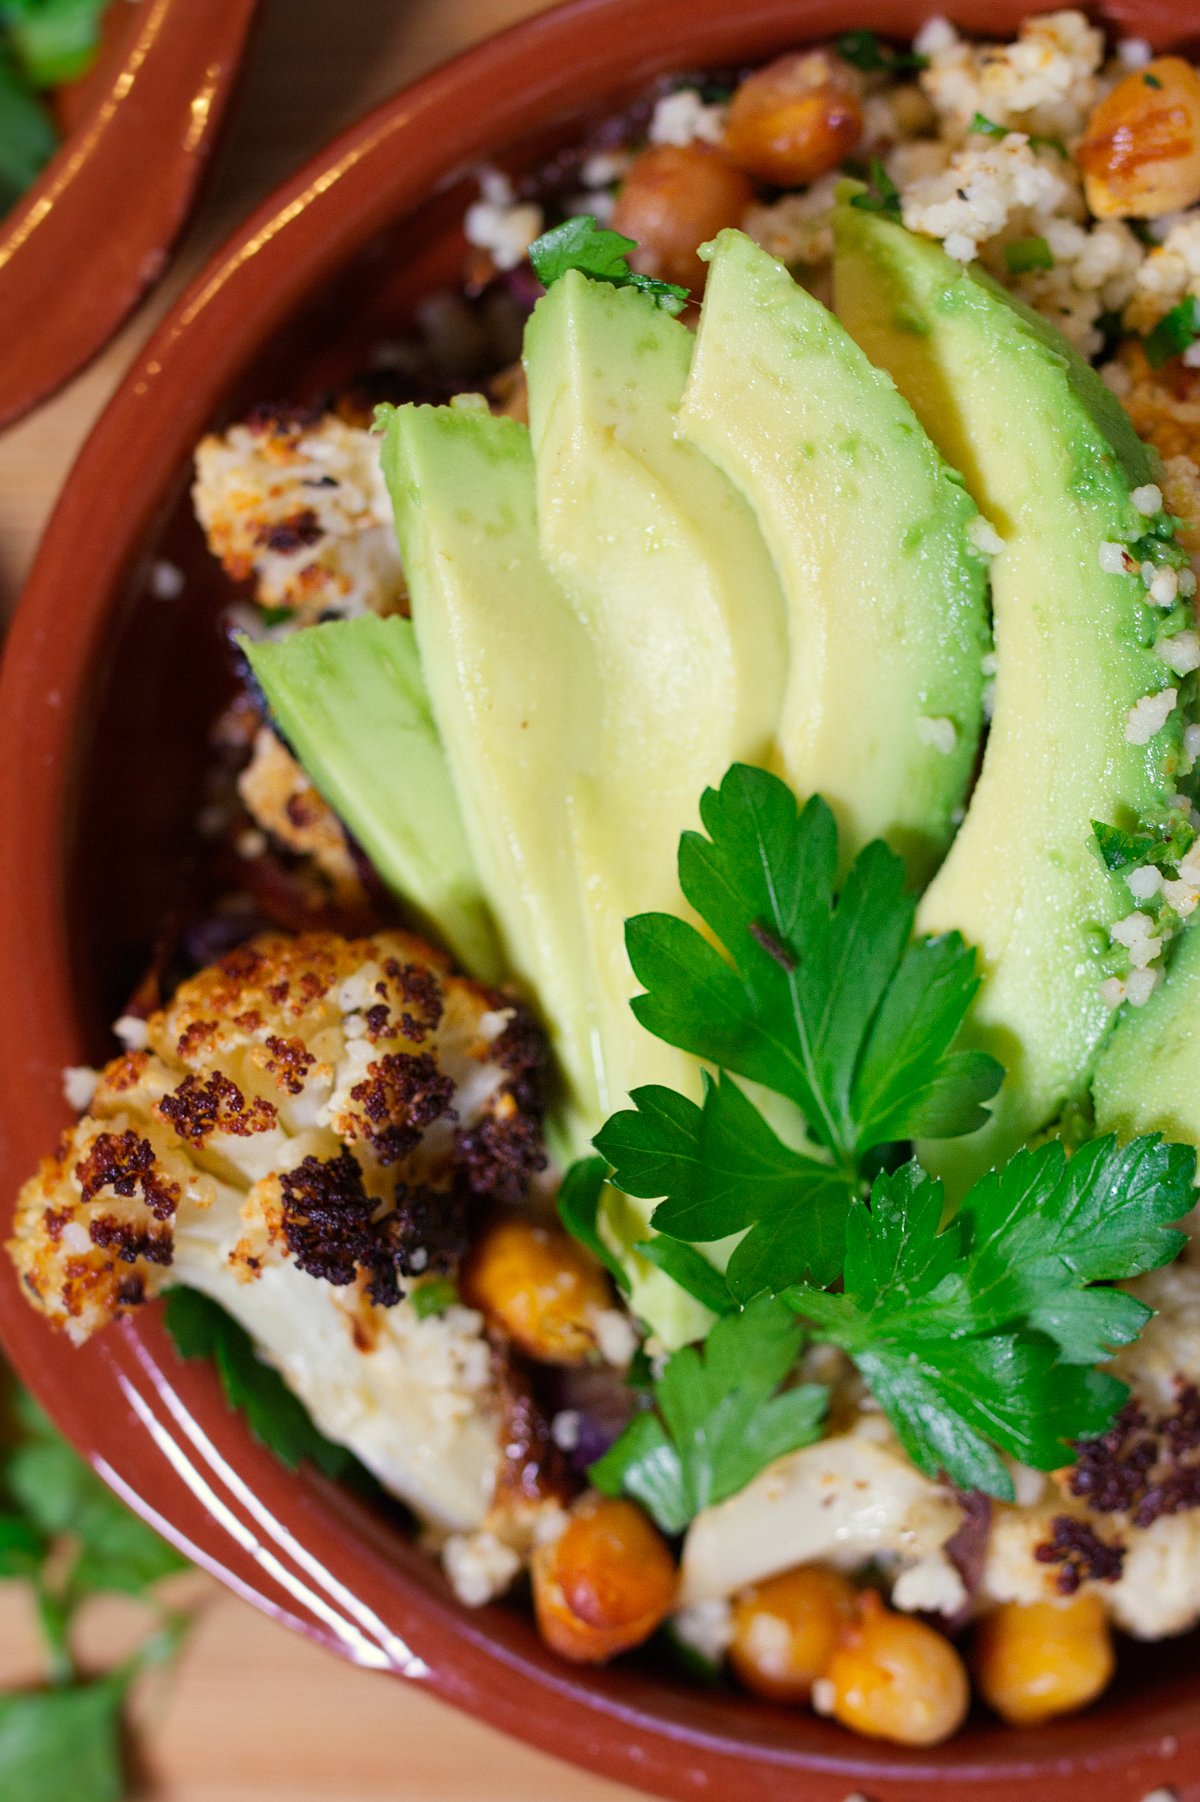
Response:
column 679, row 1053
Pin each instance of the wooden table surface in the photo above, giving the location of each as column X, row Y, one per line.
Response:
column 254, row 1714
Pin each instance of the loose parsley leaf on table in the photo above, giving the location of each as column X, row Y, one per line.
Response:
column 981, row 1334
column 603, row 255
column 717, row 1418
column 200, row 1329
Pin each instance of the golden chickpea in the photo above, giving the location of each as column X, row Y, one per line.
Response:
column 537, row 1286
column 674, row 198
column 894, row 1678
column 604, row 1584
column 785, row 1631
column 1034, row 1660
column 795, row 119
column 1140, row 155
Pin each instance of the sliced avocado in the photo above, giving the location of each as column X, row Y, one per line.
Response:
column 672, row 585
column 868, row 528
column 1147, row 1077
column 508, row 673
column 350, row 700
column 1051, row 460
column 514, row 685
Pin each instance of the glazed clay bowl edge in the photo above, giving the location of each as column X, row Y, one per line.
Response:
column 82, row 246
column 159, row 1431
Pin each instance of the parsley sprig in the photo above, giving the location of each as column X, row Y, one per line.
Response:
column 820, row 997
column 583, row 243
column 719, row 1417
column 65, row 1533
column 980, row 1336
column 278, row 1420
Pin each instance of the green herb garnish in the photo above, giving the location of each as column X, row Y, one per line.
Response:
column 717, row 1418
column 978, row 1336
column 602, row 255
column 278, row 1420
column 1024, row 254
column 692, row 1272
column 1152, row 81
column 982, row 126
column 982, row 1334
column 433, row 1297
column 882, row 196
column 66, row 1534
column 1126, row 850
column 824, row 1001
column 579, row 1210
column 865, row 50
column 1175, row 332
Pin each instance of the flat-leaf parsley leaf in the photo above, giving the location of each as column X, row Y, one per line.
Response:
column 717, row 1419
column 602, row 255
column 978, row 1337
column 824, row 1000
column 723, row 1169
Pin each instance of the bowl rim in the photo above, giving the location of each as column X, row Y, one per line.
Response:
column 158, row 1431
column 155, row 103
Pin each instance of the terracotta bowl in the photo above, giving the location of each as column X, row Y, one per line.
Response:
column 78, row 250
column 106, row 695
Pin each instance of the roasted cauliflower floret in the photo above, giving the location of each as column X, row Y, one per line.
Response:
column 279, row 797
column 294, row 503
column 302, row 1135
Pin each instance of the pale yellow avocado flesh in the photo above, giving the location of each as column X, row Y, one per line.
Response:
column 1051, row 460
column 868, row 528
column 506, row 669
column 668, row 576
column 513, row 680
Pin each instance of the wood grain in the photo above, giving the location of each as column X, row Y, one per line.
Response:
column 254, row 1714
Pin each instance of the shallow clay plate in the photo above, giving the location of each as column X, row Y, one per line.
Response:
column 81, row 247
column 105, row 699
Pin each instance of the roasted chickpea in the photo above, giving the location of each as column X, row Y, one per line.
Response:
column 674, row 198
column 894, row 1678
column 604, row 1584
column 786, row 1629
column 534, row 1284
column 795, row 119
column 1033, row 1660
column 1140, row 155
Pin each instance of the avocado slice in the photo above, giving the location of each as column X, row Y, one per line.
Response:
column 508, row 673
column 1147, row 1077
column 514, row 684
column 350, row 700
column 1051, row 460
column 664, row 567
column 667, row 573
column 868, row 528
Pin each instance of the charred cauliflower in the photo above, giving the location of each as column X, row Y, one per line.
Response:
column 281, row 800
column 294, row 503
column 302, row 1135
